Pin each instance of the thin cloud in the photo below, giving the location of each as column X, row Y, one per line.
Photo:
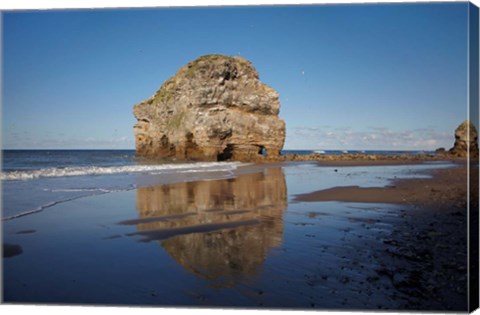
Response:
column 120, row 142
column 373, row 138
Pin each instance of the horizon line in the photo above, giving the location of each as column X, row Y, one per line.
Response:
column 107, row 149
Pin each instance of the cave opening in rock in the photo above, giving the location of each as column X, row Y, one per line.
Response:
column 226, row 154
column 262, row 151
column 164, row 141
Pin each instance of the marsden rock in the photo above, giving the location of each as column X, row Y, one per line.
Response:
column 465, row 137
column 214, row 108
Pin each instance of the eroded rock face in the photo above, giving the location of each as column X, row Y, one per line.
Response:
column 465, row 136
column 214, row 108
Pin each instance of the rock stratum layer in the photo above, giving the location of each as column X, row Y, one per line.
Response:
column 214, row 108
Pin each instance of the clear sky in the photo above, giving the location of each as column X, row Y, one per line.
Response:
column 388, row 76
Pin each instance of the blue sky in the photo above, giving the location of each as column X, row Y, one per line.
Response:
column 389, row 76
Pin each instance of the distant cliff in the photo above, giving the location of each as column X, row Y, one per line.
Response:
column 214, row 108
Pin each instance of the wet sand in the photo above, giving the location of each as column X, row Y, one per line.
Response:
column 256, row 240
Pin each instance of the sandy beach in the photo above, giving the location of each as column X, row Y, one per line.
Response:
column 281, row 235
column 445, row 185
column 432, row 232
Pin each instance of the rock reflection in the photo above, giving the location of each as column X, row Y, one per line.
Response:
column 219, row 230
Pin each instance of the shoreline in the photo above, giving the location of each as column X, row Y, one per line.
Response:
column 444, row 184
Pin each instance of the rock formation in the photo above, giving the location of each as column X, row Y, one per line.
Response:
column 465, row 137
column 214, row 108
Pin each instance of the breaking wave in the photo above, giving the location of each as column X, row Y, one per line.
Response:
column 110, row 170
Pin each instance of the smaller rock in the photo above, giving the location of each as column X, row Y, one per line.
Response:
column 466, row 137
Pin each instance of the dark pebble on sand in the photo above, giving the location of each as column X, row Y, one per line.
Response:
column 11, row 250
column 345, row 280
column 390, row 242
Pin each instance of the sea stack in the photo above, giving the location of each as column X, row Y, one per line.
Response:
column 465, row 137
column 213, row 109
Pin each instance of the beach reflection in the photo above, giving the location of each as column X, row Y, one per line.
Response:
column 220, row 230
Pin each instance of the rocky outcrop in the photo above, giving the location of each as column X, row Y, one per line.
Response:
column 441, row 151
column 214, row 108
column 466, row 138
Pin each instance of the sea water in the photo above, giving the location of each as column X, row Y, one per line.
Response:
column 33, row 180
